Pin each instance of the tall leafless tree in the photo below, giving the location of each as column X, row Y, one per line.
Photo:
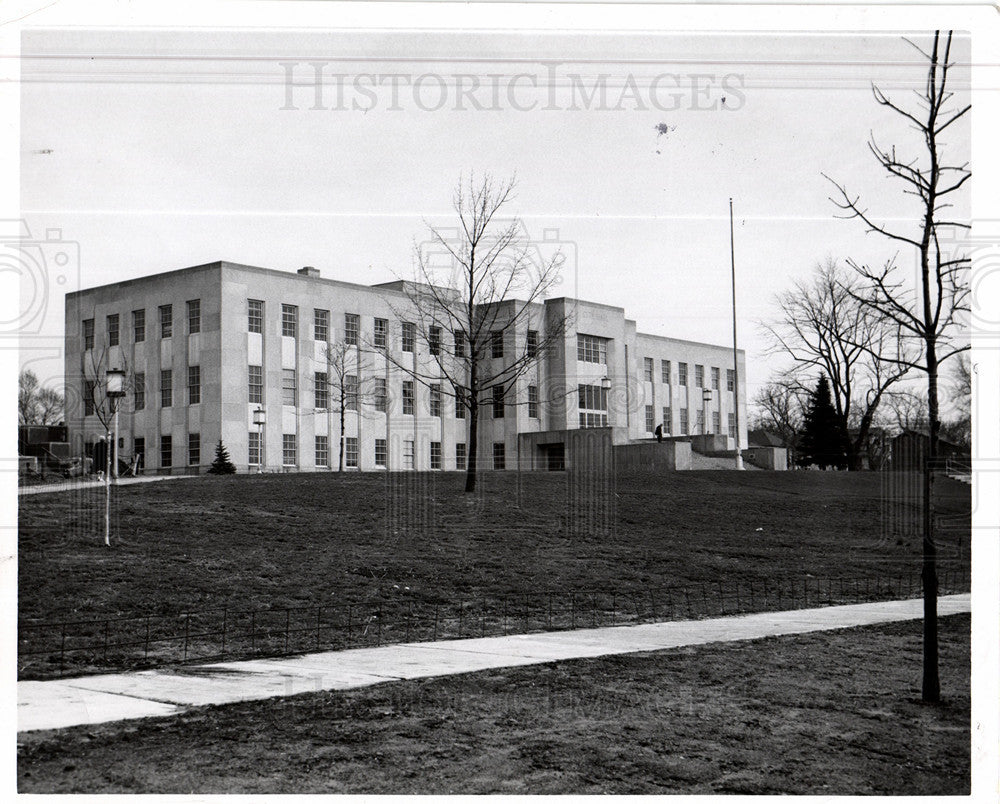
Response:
column 345, row 386
column 488, row 286
column 36, row 403
column 824, row 329
column 930, row 310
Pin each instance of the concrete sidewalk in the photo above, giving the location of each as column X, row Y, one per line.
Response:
column 73, row 485
column 150, row 693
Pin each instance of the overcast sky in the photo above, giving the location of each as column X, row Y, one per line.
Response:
column 155, row 151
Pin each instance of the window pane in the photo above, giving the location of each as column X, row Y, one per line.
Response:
column 321, row 325
column 255, row 315
column 166, row 321
column 194, row 316
column 289, row 320
column 352, row 326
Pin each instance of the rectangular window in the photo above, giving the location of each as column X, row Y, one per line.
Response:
column 88, row 333
column 139, row 451
column 114, row 333
column 499, row 455
column 351, row 391
column 700, row 422
column 409, row 336
column 650, row 423
column 434, row 340
column 323, row 451
column 289, row 320
column 380, row 394
column 194, row 449
column 459, row 403
column 593, row 406
column 435, row 454
column 194, row 316
column 166, row 452
column 715, row 378
column 667, row 419
column 730, row 379
column 253, row 451
column 89, row 387
column 716, row 422
column 166, row 388
column 665, row 372
column 459, row 343
column 288, row 449
column 352, row 328
column 166, row 321
column 194, row 385
column 381, row 333
column 255, row 315
column 496, row 344
column 408, row 453
column 381, row 452
column 532, row 401
column 684, row 421
column 139, row 391
column 647, row 368
column 288, row 387
column 699, row 376
column 138, row 326
column 436, row 400
column 532, row 345
column 591, row 349
column 351, row 452
column 321, row 325
column 460, row 456
column 498, row 406
column 682, row 374
column 255, row 379
column 322, row 390
column 732, row 425
column 407, row 397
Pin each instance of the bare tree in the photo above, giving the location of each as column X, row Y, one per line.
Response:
column 780, row 408
column 27, row 398
column 930, row 311
column 51, row 406
column 343, row 386
column 825, row 329
column 906, row 409
column 490, row 292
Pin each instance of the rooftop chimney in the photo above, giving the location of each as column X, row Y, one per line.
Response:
column 308, row 271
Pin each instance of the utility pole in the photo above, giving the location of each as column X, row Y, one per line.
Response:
column 736, row 365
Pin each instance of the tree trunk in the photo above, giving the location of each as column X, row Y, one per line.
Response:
column 473, row 452
column 340, row 464
column 931, row 692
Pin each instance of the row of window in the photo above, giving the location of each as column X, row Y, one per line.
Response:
column 352, row 331
column 350, row 394
column 166, row 322
column 289, row 452
column 685, row 424
column 139, row 390
column 167, row 450
column 682, row 374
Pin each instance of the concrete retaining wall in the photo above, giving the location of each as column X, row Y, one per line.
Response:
column 669, row 456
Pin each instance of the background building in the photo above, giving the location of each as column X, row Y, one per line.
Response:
column 205, row 347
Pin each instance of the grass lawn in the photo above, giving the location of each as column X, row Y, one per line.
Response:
column 828, row 713
column 409, row 540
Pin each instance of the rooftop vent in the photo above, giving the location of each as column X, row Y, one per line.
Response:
column 308, row 271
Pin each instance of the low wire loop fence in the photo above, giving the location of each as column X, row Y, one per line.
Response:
column 53, row 649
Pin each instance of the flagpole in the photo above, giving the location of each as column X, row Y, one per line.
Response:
column 736, row 367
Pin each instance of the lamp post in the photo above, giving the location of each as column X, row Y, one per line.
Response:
column 605, row 391
column 259, row 418
column 114, row 390
column 706, row 397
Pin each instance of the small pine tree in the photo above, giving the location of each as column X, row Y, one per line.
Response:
column 821, row 442
column 222, row 465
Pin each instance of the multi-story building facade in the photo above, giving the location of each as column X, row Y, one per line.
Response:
column 207, row 347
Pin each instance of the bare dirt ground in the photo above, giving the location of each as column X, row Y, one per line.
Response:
column 832, row 713
column 371, row 549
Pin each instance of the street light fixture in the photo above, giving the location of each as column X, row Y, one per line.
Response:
column 114, row 390
column 706, row 397
column 259, row 419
